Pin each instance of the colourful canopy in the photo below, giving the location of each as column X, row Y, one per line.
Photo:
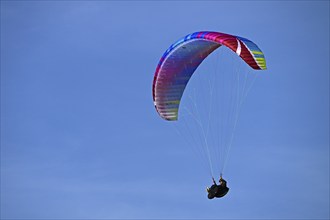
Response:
column 180, row 60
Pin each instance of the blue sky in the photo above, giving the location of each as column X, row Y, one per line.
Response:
column 80, row 137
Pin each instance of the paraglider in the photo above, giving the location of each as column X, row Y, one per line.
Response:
column 175, row 69
column 217, row 191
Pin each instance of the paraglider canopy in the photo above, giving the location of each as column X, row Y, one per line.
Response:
column 181, row 59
